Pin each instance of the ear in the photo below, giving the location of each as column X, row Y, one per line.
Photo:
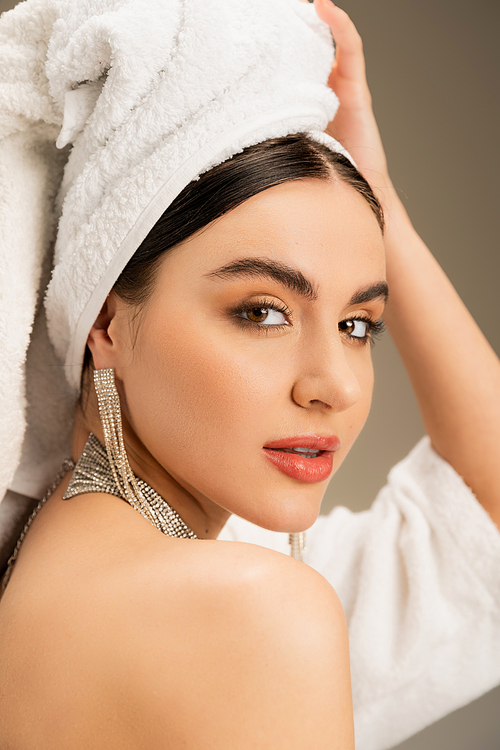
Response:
column 103, row 339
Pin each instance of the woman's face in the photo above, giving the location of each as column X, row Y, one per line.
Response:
column 255, row 343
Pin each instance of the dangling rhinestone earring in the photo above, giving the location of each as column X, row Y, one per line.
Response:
column 297, row 543
column 111, row 420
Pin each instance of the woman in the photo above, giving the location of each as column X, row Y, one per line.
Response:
column 237, row 344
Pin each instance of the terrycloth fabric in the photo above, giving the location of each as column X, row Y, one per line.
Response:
column 418, row 575
column 142, row 97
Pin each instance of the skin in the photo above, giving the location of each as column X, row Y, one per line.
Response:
column 167, row 643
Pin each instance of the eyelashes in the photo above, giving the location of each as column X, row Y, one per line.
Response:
column 373, row 328
column 259, row 315
column 267, row 315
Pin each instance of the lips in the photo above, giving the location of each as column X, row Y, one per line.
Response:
column 306, row 458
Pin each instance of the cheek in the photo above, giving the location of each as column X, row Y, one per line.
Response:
column 356, row 416
column 191, row 387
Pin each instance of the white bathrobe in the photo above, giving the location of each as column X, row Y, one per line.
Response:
column 418, row 575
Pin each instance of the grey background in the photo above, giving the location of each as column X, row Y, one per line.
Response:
column 434, row 73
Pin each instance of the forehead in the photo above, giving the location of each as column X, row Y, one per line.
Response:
column 326, row 230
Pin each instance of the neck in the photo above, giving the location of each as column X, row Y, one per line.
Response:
column 201, row 514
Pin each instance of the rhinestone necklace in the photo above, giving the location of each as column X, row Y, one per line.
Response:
column 92, row 473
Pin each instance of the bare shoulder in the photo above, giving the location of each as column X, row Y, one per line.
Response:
column 235, row 645
column 168, row 642
column 214, row 579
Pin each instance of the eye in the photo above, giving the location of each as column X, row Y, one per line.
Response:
column 362, row 330
column 357, row 328
column 264, row 316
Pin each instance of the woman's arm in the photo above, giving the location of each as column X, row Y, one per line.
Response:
column 454, row 371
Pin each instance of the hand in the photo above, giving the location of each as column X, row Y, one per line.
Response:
column 355, row 125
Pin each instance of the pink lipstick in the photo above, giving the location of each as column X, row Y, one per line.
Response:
column 307, row 458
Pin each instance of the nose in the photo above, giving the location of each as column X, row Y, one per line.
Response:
column 326, row 379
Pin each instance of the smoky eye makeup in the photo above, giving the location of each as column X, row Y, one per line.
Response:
column 263, row 314
column 362, row 329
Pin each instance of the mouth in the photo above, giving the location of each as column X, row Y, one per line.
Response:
column 304, row 458
column 304, row 452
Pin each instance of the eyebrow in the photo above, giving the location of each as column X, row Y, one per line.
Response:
column 370, row 293
column 285, row 275
column 292, row 279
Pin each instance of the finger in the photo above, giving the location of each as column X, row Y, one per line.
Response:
column 350, row 61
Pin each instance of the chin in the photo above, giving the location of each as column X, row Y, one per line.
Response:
column 286, row 515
